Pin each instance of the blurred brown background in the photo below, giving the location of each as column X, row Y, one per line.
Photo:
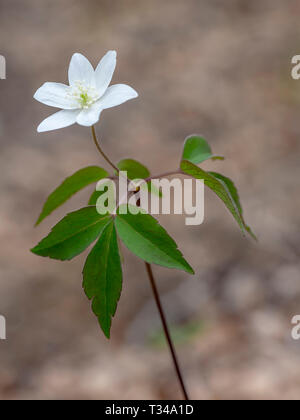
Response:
column 215, row 67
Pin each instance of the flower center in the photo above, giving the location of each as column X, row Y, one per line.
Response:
column 83, row 95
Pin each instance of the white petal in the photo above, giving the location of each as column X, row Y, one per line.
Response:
column 55, row 94
column 60, row 119
column 116, row 95
column 105, row 70
column 80, row 69
column 90, row 116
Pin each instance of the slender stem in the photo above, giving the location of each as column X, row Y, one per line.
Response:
column 151, row 277
column 101, row 151
column 166, row 330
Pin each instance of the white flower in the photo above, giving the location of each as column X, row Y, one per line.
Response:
column 88, row 94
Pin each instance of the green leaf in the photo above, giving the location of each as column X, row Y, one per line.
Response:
column 231, row 188
column 143, row 236
column 102, row 277
column 196, row 150
column 218, row 186
column 94, row 197
column 235, row 196
column 73, row 234
column 135, row 170
column 69, row 187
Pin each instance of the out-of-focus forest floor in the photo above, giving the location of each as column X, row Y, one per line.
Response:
column 219, row 68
